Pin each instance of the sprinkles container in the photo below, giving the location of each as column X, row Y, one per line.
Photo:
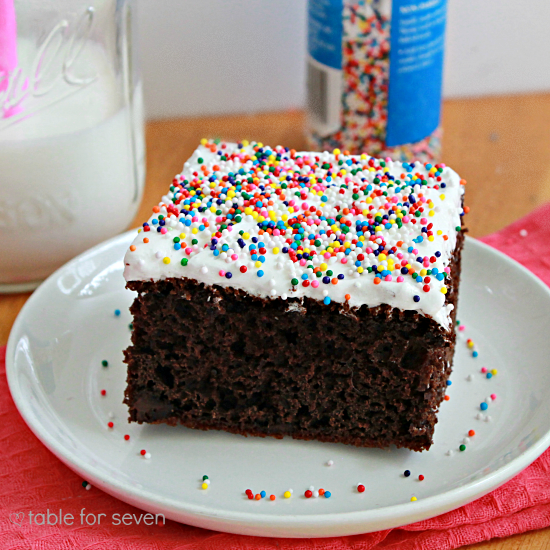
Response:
column 375, row 75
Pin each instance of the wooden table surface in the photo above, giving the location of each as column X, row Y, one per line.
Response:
column 500, row 145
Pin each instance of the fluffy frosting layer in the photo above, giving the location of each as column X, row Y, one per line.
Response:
column 329, row 226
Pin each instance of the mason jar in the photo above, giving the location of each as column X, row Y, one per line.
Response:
column 71, row 132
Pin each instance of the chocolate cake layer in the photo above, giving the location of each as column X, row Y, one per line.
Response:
column 213, row 357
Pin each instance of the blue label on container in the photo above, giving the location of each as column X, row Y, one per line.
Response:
column 325, row 32
column 416, row 67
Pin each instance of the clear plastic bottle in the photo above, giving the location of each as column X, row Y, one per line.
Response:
column 375, row 76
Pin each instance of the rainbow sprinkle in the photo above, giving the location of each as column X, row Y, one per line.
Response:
column 322, row 218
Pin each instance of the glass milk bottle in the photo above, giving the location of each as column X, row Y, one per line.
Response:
column 71, row 132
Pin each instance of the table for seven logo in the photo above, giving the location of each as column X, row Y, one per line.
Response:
column 59, row 518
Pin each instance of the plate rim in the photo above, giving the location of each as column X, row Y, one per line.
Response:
column 248, row 523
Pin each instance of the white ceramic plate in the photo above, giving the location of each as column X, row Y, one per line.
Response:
column 68, row 327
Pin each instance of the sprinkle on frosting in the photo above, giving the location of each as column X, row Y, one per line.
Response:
column 279, row 223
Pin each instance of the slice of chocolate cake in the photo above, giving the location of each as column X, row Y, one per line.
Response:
column 303, row 294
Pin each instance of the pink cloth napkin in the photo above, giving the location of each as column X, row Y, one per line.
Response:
column 32, row 479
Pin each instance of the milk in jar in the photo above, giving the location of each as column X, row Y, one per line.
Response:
column 71, row 155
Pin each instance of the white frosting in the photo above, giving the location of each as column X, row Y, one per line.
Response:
column 159, row 259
